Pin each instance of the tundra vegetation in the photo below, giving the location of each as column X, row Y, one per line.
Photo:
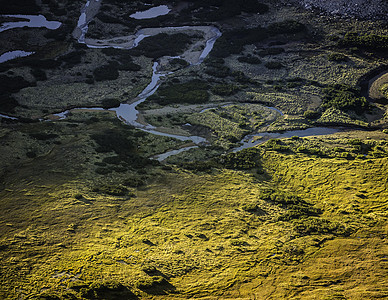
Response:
column 87, row 212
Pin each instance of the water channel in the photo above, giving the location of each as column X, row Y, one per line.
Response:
column 153, row 12
column 31, row 21
column 128, row 112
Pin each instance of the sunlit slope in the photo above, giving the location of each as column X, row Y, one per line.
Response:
column 263, row 223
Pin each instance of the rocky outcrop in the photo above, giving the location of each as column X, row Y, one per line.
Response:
column 362, row 9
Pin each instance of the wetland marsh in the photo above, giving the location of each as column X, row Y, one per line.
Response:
column 193, row 150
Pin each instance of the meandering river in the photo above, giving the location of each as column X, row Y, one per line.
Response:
column 128, row 112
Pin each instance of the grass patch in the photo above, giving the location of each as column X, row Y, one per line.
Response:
column 191, row 92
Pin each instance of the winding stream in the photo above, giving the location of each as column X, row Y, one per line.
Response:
column 128, row 112
column 14, row 54
column 33, row 22
column 251, row 140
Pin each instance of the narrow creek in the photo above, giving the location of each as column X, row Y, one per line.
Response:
column 128, row 112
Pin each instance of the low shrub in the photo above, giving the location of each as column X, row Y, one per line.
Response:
column 225, row 89
column 133, row 182
column 233, row 42
column 111, row 189
column 314, row 225
column 73, row 58
column 369, row 41
column 273, row 65
column 243, row 160
column 8, row 103
column 337, row 57
column 179, row 62
column 253, row 60
column 311, row 115
column 164, row 44
column 13, row 84
column 39, row 74
column 107, row 290
column 295, row 206
column 110, row 102
column 42, row 136
column 286, row 27
column 271, row 51
column 194, row 91
column 276, row 145
column 106, row 72
column 345, row 98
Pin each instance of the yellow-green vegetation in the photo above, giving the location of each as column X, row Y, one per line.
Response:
column 231, row 123
column 86, row 213
column 288, row 122
column 226, row 130
column 379, row 88
column 335, row 116
column 75, row 86
column 274, row 222
column 283, row 101
column 384, row 90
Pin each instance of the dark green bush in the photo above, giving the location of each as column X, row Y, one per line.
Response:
column 111, row 189
column 59, row 34
column 31, row 154
column 110, row 102
column 311, row 115
column 276, row 145
column 12, row 84
column 369, row 41
column 194, row 91
column 216, row 10
column 225, row 89
column 42, row 136
column 295, row 206
column 286, row 27
column 39, row 74
column 123, row 145
column 106, row 72
column 19, row 7
column 314, row 225
column 42, row 63
column 7, row 103
column 233, row 42
column 107, row 290
column 103, row 171
column 243, row 160
column 133, row 182
column 112, row 160
column 345, row 98
column 253, row 60
column 337, row 57
column 273, row 65
column 73, row 58
column 164, row 44
column 271, row 51
column 219, row 72
column 103, row 17
column 240, row 77
column 179, row 62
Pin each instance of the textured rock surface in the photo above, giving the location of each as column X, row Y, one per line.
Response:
column 364, row 9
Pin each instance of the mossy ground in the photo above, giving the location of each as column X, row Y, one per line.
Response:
column 203, row 235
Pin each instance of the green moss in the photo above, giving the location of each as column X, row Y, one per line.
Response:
column 345, row 98
column 194, row 91
column 369, row 41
